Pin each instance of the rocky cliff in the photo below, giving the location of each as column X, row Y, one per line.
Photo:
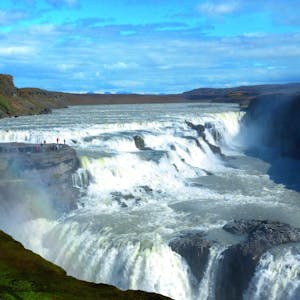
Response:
column 38, row 171
column 26, row 101
column 237, row 263
column 276, row 120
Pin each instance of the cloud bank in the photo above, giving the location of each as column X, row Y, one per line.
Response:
column 71, row 45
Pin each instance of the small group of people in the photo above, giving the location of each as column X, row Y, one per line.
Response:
column 57, row 141
column 53, row 147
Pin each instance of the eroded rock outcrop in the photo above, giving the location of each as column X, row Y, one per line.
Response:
column 194, row 248
column 201, row 133
column 26, row 101
column 239, row 261
column 7, row 87
column 199, row 128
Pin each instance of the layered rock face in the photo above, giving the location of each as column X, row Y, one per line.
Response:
column 35, row 169
column 238, row 262
column 194, row 248
column 7, row 87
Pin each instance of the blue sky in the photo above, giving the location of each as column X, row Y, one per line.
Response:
column 149, row 46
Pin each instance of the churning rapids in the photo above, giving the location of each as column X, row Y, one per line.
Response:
column 134, row 202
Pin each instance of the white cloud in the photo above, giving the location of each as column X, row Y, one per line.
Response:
column 15, row 50
column 255, row 34
column 65, row 67
column 116, row 66
column 221, row 8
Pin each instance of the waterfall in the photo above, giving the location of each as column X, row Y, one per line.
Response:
column 277, row 276
column 133, row 202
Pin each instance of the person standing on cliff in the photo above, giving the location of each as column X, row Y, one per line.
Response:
column 57, row 140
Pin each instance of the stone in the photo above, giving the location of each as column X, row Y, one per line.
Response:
column 238, row 263
column 140, row 143
column 194, row 248
column 45, row 166
column 199, row 128
column 213, row 131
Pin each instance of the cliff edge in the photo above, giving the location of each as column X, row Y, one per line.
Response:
column 34, row 171
column 26, row 101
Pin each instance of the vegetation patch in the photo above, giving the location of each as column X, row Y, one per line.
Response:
column 4, row 104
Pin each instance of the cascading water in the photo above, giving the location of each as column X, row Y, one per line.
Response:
column 277, row 276
column 133, row 202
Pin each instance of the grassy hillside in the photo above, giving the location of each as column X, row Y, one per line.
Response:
column 28, row 101
column 26, row 275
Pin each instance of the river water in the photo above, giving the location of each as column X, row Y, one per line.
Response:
column 134, row 202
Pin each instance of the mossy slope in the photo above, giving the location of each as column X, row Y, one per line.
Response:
column 26, row 275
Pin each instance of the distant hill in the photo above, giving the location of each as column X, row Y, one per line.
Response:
column 27, row 101
column 241, row 94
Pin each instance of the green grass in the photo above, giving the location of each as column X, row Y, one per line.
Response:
column 4, row 104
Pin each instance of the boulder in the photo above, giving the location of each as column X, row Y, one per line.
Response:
column 140, row 143
column 194, row 248
column 239, row 261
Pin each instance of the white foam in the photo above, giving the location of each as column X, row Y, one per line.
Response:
column 277, row 277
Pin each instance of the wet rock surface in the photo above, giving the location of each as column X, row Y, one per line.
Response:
column 47, row 167
column 194, row 248
column 199, row 128
column 211, row 127
column 140, row 143
column 239, row 261
column 201, row 133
